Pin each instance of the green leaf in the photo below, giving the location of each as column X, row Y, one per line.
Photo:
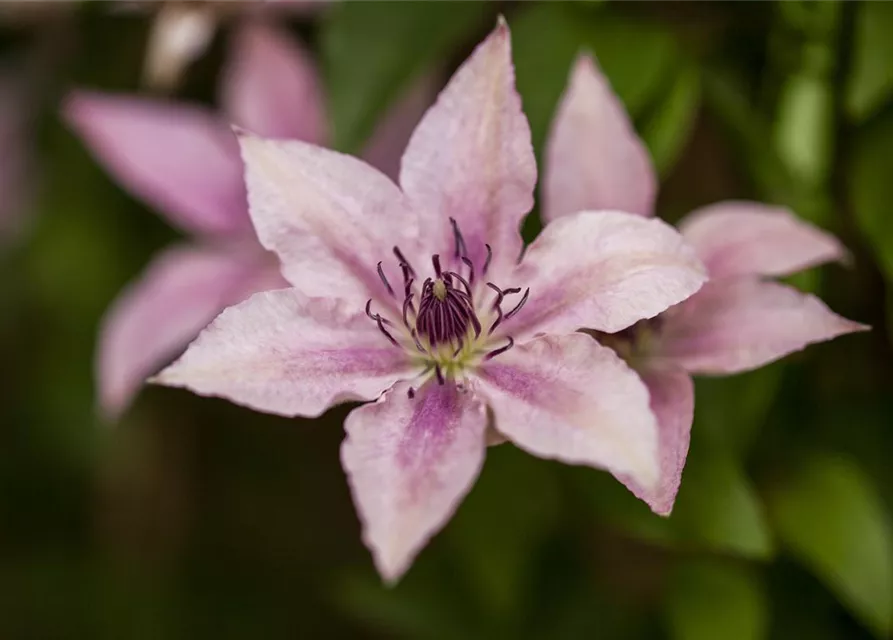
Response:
column 870, row 81
column 547, row 38
column 667, row 130
column 373, row 50
column 804, row 127
column 871, row 190
column 829, row 516
column 709, row 600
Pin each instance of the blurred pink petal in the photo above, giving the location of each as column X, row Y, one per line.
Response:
column 673, row 404
column 284, row 353
column 270, row 86
column 736, row 325
column 594, row 158
column 471, row 158
column 330, row 217
column 603, row 270
column 750, row 238
column 571, row 399
column 181, row 159
column 409, row 462
column 150, row 322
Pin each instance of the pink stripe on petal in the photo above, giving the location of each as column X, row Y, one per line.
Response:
column 471, row 157
column 183, row 160
column 594, row 157
column 409, row 462
column 284, row 353
column 602, row 270
column 751, row 238
column 330, row 217
column 738, row 325
column 673, row 403
column 270, row 86
column 156, row 317
column 571, row 399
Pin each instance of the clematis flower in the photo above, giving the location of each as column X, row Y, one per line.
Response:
column 414, row 297
column 738, row 321
column 184, row 161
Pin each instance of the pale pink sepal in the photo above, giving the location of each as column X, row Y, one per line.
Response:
column 571, row 399
column 270, row 86
column 672, row 399
column 181, row 291
column 409, row 462
column 603, row 270
column 736, row 238
column 735, row 325
column 594, row 157
column 284, row 353
column 471, row 158
column 181, row 159
column 330, row 217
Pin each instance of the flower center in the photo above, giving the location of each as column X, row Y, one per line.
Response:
column 445, row 329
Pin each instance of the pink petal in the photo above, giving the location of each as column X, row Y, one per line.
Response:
column 673, row 403
column 751, row 238
column 270, row 86
column 594, row 157
column 156, row 317
column 602, row 270
column 284, row 353
column 331, row 218
column 390, row 137
column 409, row 463
column 572, row 399
column 182, row 160
column 471, row 157
column 738, row 325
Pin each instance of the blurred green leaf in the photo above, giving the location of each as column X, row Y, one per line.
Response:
column 710, row 599
column 669, row 127
column 870, row 81
column 547, row 38
column 871, row 189
column 373, row 50
column 804, row 127
column 511, row 508
column 828, row 514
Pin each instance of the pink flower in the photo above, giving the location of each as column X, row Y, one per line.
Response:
column 184, row 161
column 738, row 321
column 414, row 297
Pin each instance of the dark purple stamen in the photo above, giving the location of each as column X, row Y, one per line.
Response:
column 411, row 393
column 381, row 323
column 404, row 263
column 461, row 249
column 487, row 261
column 519, row 305
column 440, row 379
column 384, row 279
column 496, row 352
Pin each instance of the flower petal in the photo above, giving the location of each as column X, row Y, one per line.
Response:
column 182, row 160
column 180, row 34
column 673, row 403
column 738, row 325
column 572, row 399
column 602, row 270
column 330, row 217
column 156, row 317
column 270, row 86
column 751, row 238
column 409, row 463
column 284, row 353
column 471, row 157
column 594, row 157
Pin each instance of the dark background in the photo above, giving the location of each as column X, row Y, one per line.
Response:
column 193, row 518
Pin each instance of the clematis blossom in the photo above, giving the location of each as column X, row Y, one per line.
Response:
column 413, row 297
column 738, row 321
column 184, row 161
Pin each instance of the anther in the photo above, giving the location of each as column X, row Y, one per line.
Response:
column 411, row 393
column 384, row 279
column 470, row 266
column 435, row 260
column 519, row 305
column 487, row 261
column 461, row 249
column 403, row 261
column 503, row 349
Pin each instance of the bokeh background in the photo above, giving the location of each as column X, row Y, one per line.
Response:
column 193, row 518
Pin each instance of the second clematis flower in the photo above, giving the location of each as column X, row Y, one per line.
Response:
column 416, row 297
column 184, row 160
column 738, row 321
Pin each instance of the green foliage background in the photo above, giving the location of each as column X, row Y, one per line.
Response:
column 197, row 519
